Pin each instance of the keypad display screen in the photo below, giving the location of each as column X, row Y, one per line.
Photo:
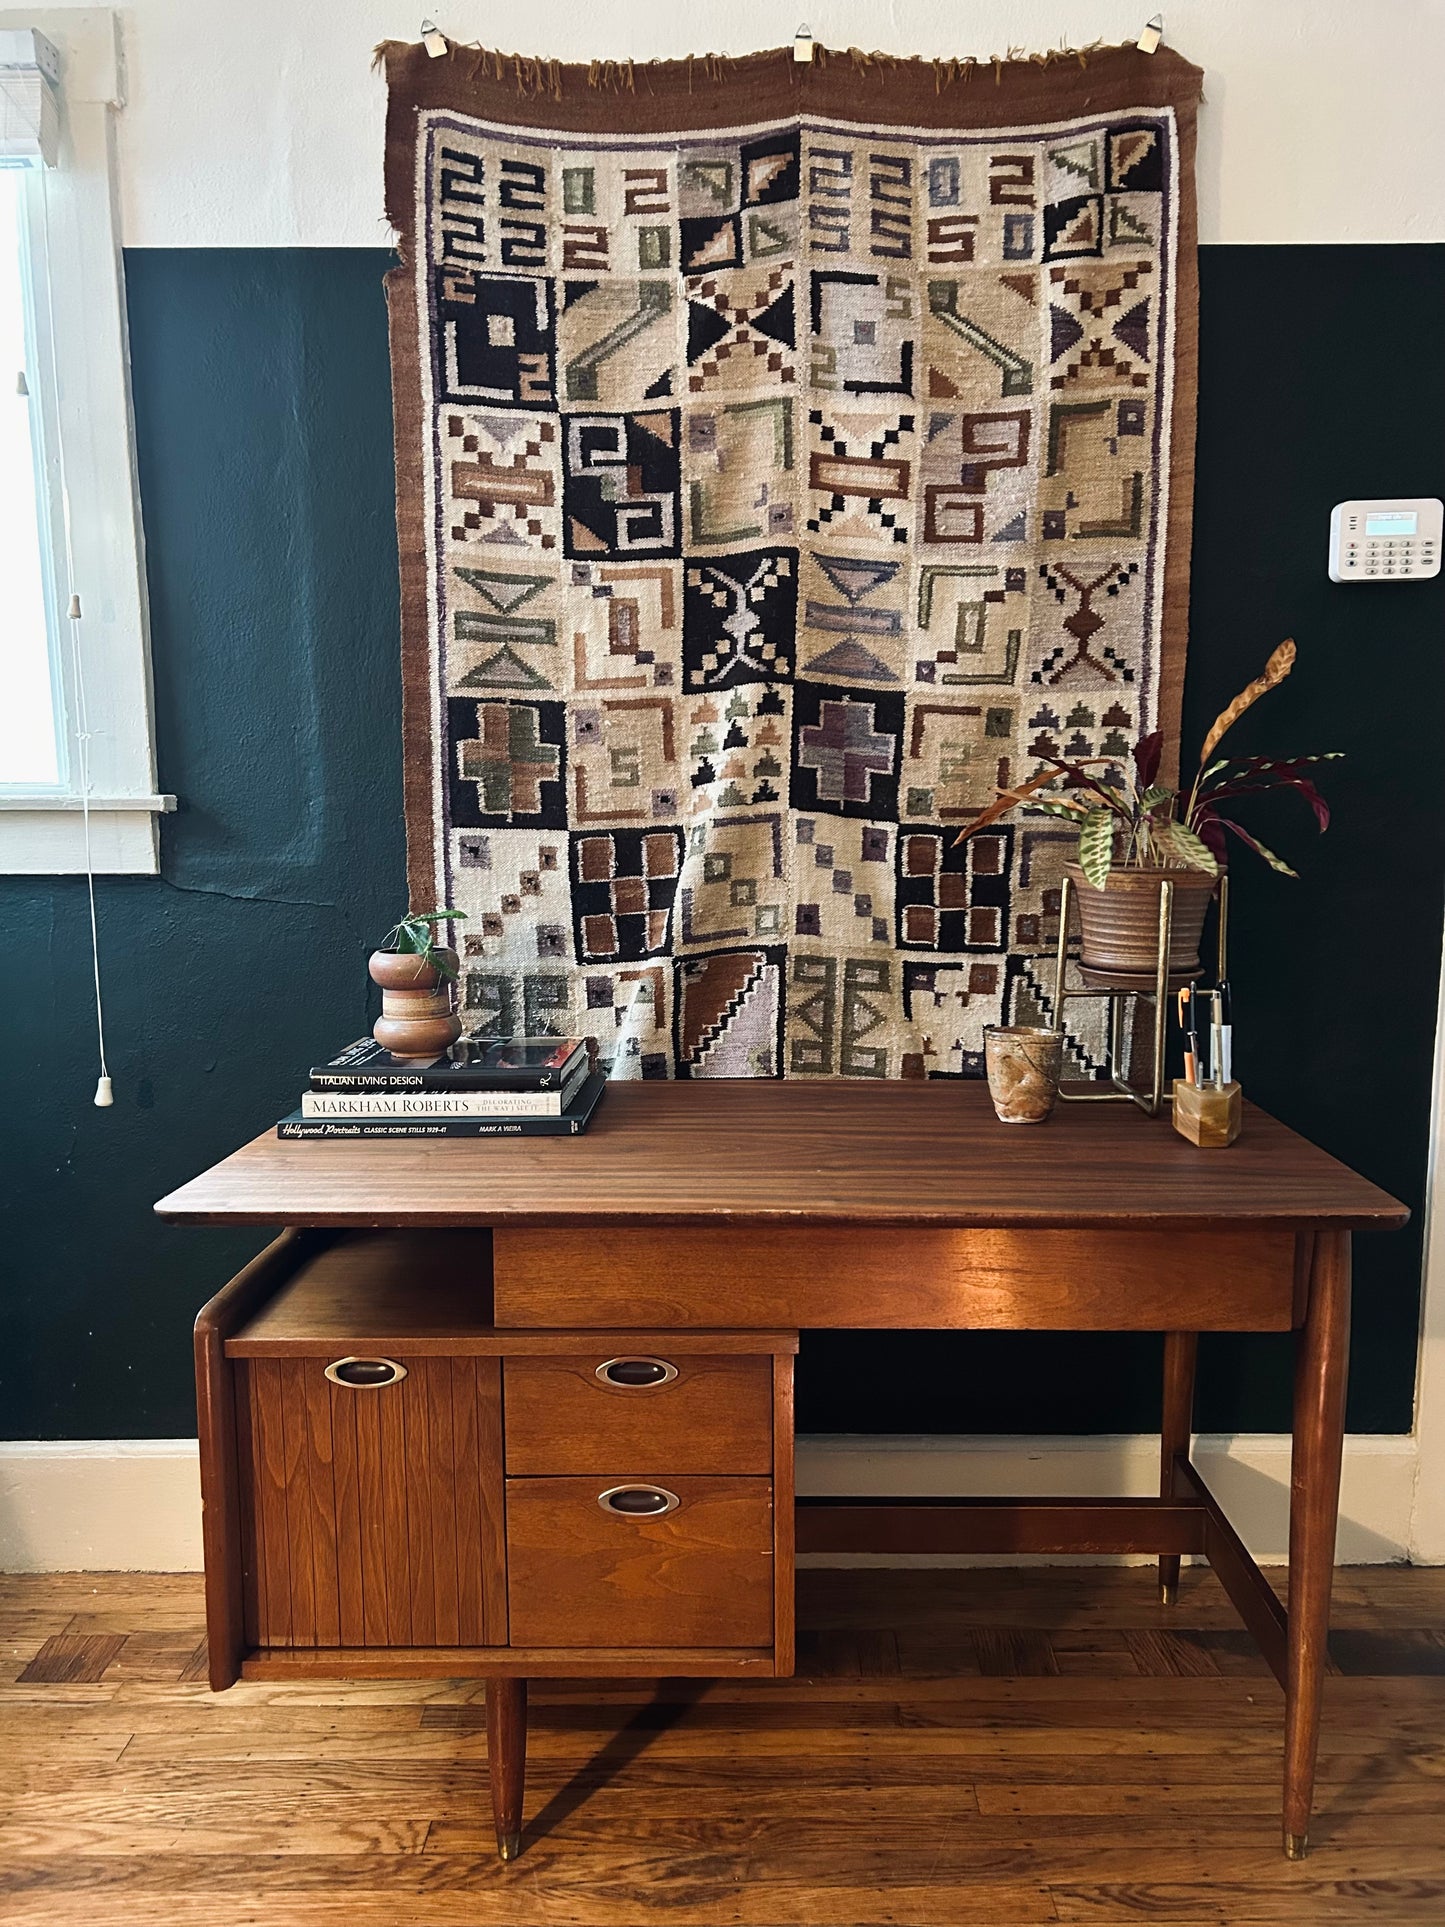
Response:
column 1393, row 522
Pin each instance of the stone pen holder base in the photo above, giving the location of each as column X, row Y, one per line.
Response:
column 1209, row 1115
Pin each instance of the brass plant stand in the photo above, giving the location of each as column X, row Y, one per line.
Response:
column 1119, row 1089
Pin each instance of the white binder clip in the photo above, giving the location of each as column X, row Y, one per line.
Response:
column 1153, row 33
column 803, row 45
column 433, row 39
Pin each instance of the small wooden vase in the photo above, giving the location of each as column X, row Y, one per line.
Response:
column 417, row 1020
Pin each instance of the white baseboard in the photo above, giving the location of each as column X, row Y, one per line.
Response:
column 133, row 1505
column 100, row 1505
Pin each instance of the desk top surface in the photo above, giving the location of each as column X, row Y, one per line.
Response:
column 806, row 1153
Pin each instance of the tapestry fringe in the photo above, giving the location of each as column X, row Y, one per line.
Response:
column 536, row 77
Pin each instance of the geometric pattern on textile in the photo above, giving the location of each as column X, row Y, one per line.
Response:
column 739, row 618
column 771, row 493
column 853, row 620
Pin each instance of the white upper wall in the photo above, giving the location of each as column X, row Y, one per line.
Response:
column 258, row 123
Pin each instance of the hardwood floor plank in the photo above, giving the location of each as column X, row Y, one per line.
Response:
column 1407, row 1653
column 1008, row 1653
column 283, row 1835
column 73, row 1659
column 1308, row 1902
column 479, row 1889
column 1171, row 1654
column 511, row 1904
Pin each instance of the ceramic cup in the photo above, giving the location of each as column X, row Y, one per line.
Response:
column 1023, row 1071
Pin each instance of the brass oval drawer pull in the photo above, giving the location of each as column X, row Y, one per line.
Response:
column 635, row 1373
column 638, row 1501
column 365, row 1374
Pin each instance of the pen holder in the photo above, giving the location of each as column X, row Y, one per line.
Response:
column 1209, row 1115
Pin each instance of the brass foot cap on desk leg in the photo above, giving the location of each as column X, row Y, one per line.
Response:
column 509, row 1845
column 1168, row 1592
column 1296, row 1846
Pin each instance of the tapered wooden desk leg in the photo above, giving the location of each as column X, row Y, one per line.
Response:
column 1181, row 1350
column 507, row 1760
column 1321, row 1369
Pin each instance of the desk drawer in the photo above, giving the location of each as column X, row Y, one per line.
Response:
column 585, row 1569
column 765, row 1276
column 649, row 1406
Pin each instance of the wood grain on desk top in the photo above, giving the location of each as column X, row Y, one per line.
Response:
column 828, row 1153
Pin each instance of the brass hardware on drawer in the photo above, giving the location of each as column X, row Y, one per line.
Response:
column 365, row 1374
column 638, row 1374
column 638, row 1501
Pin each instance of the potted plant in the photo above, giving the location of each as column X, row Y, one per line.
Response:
column 1134, row 833
column 416, row 975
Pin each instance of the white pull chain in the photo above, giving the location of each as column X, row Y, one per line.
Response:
column 104, row 1091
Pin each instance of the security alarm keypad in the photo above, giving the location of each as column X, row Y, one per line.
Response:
column 1393, row 540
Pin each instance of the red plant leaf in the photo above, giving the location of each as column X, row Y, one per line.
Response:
column 1147, row 752
column 1301, row 783
column 1079, row 773
column 1210, row 830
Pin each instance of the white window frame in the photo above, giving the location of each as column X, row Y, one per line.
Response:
column 87, row 437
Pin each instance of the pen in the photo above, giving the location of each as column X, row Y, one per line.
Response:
column 1217, row 1048
column 1191, row 1037
column 1226, row 1033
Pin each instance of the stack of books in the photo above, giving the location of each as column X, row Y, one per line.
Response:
column 481, row 1087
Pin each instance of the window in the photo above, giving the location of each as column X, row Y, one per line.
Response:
column 75, row 723
column 29, row 747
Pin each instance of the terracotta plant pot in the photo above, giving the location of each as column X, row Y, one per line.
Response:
column 1120, row 923
column 416, row 1018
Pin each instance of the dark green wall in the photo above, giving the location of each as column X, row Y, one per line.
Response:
column 262, row 398
column 263, row 423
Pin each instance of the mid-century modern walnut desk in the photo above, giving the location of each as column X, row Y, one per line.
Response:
column 523, row 1406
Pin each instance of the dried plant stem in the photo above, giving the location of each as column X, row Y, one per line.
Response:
column 1275, row 671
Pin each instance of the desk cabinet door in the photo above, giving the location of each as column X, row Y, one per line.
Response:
column 372, row 1502
column 600, row 1562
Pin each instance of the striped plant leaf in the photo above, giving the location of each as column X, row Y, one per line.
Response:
column 1253, row 842
column 1188, row 847
column 1096, row 846
column 1068, row 807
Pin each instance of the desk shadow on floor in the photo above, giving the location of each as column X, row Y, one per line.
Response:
column 675, row 1699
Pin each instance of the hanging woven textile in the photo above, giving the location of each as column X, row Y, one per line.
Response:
column 787, row 457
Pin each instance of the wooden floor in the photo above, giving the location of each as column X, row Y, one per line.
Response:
column 991, row 1747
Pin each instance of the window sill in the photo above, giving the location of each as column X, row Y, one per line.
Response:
column 45, row 836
